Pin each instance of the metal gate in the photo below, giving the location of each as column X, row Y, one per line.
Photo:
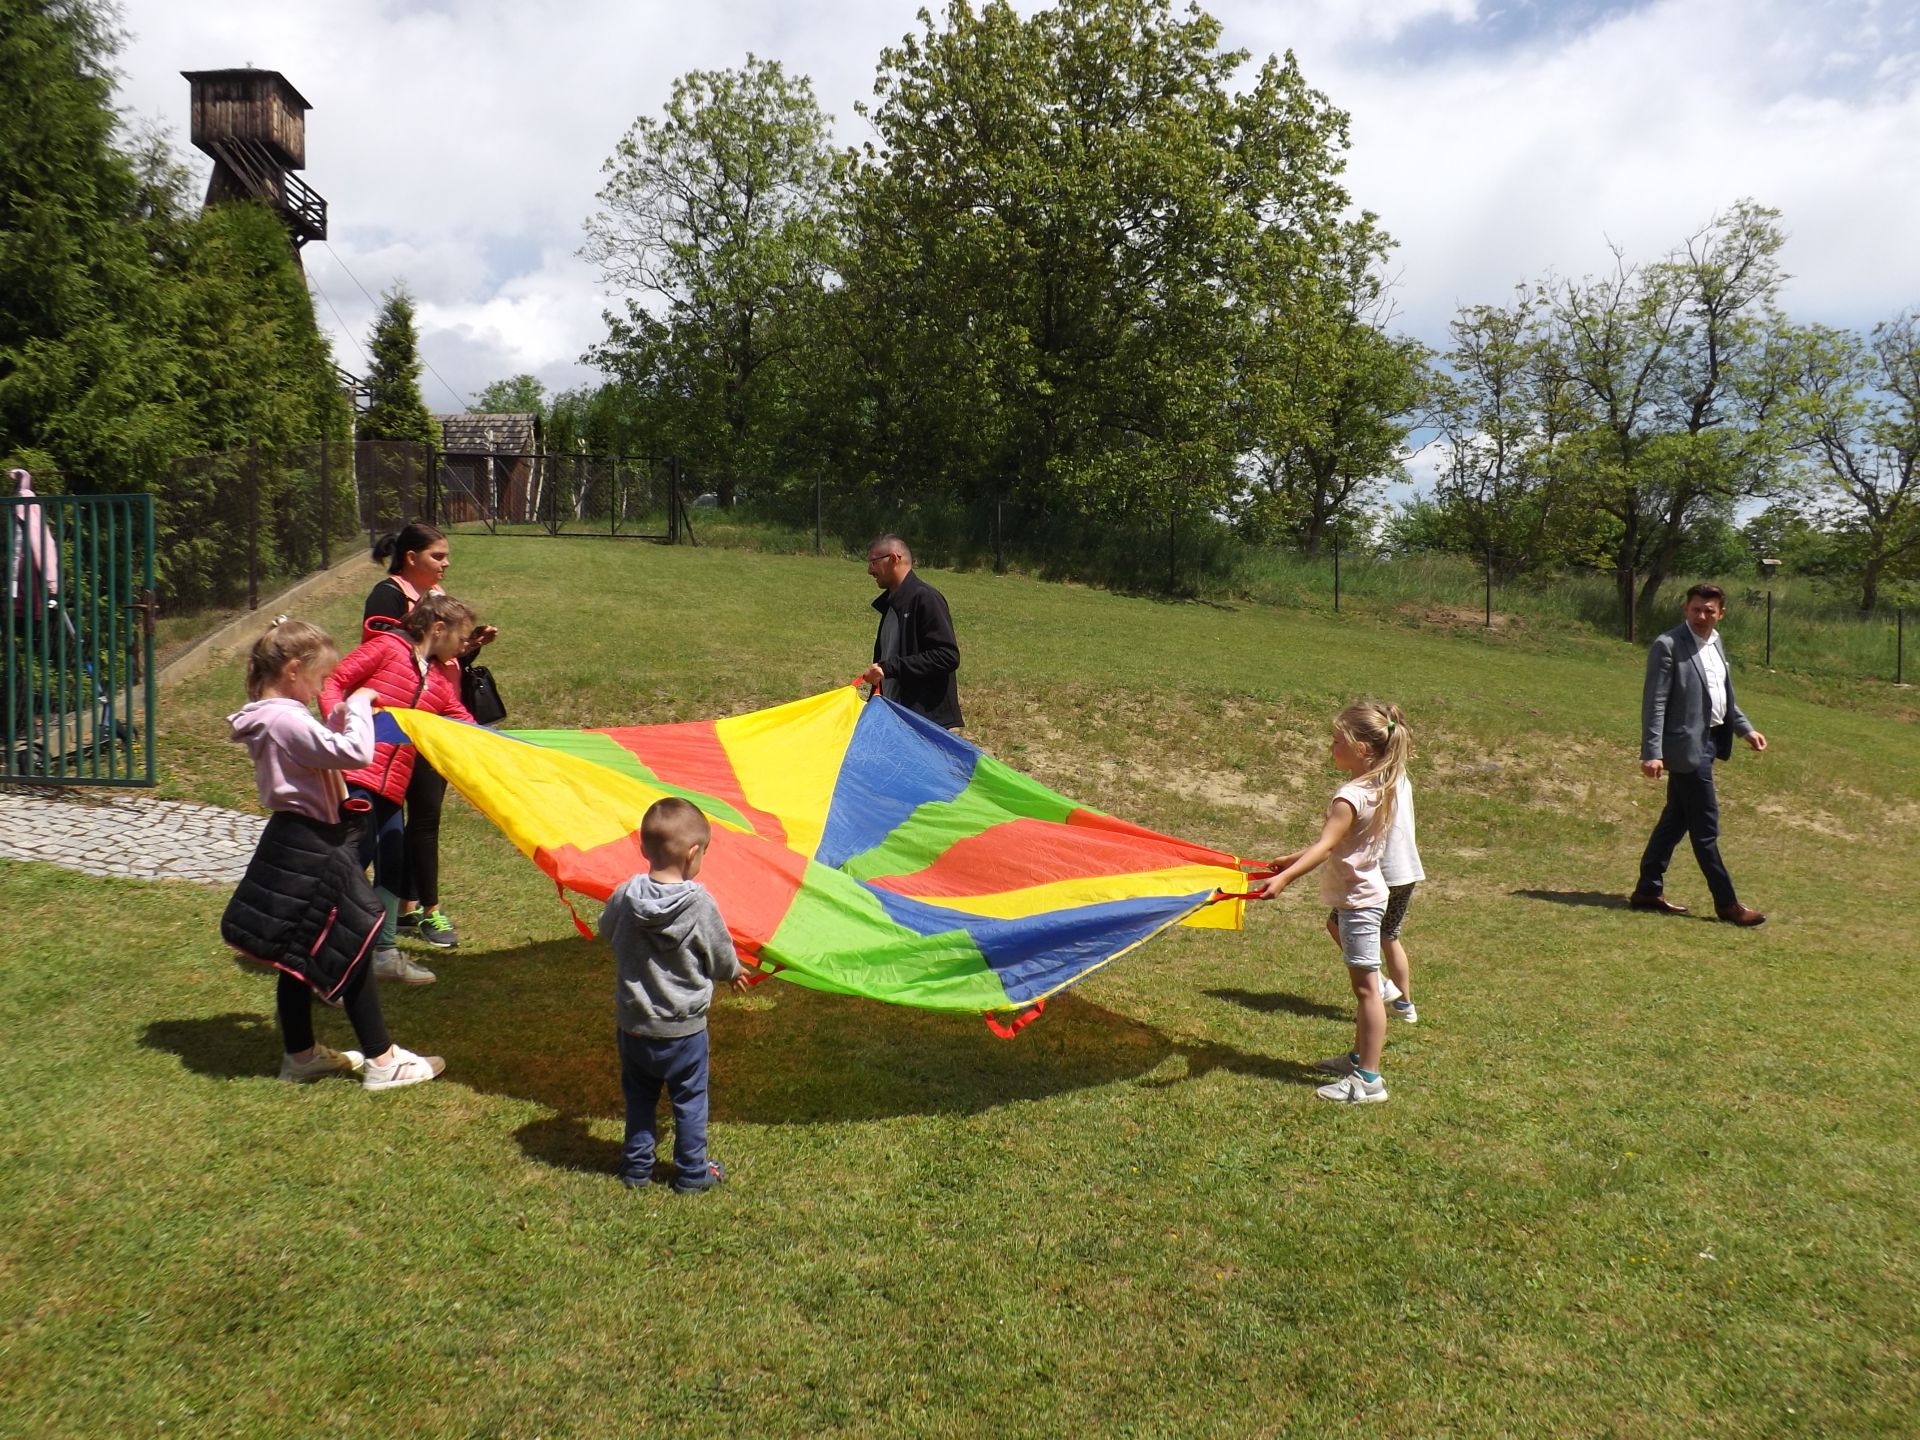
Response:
column 78, row 647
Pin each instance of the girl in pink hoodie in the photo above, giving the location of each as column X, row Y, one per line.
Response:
column 304, row 907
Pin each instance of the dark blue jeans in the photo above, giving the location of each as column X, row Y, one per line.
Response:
column 1694, row 811
column 679, row 1064
column 383, row 843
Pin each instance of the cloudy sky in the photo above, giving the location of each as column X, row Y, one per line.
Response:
column 459, row 142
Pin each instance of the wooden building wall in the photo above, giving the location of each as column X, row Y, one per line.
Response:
column 250, row 105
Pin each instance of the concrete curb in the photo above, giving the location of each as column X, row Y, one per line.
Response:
column 245, row 629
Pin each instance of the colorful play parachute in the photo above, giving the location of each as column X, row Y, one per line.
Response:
column 857, row 848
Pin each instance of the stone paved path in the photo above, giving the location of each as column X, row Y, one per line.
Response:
column 127, row 832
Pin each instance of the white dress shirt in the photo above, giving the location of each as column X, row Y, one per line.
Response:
column 1713, row 664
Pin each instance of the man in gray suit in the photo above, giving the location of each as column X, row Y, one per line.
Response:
column 1687, row 721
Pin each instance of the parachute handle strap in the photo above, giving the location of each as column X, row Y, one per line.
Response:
column 757, row 971
column 1253, row 870
column 586, row 931
column 1020, row 1022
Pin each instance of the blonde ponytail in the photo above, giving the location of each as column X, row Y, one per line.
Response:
column 1380, row 731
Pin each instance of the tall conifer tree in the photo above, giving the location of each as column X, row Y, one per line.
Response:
column 395, row 410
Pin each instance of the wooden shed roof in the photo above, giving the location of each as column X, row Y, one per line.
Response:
column 486, row 434
column 246, row 72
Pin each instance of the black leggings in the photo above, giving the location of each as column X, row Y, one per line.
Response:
column 360, row 999
column 426, row 791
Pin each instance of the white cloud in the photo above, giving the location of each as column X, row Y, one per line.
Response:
column 459, row 145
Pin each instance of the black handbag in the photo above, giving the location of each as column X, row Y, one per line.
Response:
column 481, row 696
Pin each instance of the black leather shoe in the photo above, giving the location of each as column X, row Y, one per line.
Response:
column 1659, row 904
column 1741, row 915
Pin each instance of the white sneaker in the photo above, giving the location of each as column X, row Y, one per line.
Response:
column 1355, row 1091
column 320, row 1064
column 1335, row 1064
column 1388, row 990
column 405, row 1068
column 392, row 965
column 1403, row 1010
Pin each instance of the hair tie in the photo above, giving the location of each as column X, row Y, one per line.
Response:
column 278, row 620
column 1389, row 727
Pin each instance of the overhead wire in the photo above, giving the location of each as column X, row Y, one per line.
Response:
column 318, row 290
column 458, row 399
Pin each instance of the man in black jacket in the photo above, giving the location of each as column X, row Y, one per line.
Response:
column 915, row 654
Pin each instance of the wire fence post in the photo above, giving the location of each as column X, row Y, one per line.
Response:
column 326, row 510
column 999, row 546
column 1489, row 588
column 1900, row 645
column 253, row 525
column 1769, row 629
column 1173, row 557
column 818, row 510
column 1336, row 569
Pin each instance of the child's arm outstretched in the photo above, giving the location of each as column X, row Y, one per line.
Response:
column 1340, row 817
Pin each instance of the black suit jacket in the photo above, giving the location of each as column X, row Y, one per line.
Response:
column 929, row 654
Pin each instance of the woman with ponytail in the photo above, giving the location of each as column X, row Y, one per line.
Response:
column 417, row 557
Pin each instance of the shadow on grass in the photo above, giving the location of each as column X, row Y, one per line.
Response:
column 1599, row 899
column 234, row 1046
column 1279, row 1002
column 536, row 1024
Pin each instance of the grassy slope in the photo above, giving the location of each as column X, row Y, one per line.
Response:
column 1638, row 1176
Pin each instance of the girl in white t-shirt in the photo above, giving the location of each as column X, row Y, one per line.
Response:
column 1400, row 868
column 1370, row 745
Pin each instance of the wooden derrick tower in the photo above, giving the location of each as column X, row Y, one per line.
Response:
column 254, row 125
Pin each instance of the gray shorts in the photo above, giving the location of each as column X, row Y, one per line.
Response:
column 1360, row 936
column 1397, row 898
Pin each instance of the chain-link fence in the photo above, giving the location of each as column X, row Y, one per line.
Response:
column 243, row 523
column 556, row 494
column 237, row 526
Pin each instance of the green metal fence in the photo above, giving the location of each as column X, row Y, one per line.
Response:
column 78, row 646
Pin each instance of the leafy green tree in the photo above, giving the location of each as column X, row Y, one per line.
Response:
column 720, row 214
column 395, row 410
column 1330, row 396
column 1682, row 372
column 1059, row 251
column 1863, row 404
column 1502, row 409
column 89, row 357
column 519, row 395
column 265, row 370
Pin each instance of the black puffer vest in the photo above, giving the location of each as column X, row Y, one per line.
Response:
column 304, row 906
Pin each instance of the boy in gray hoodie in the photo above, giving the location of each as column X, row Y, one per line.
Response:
column 669, row 947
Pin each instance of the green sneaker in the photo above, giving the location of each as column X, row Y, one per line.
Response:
column 437, row 929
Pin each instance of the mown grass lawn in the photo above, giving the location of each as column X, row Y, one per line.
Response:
column 1638, row 1176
